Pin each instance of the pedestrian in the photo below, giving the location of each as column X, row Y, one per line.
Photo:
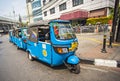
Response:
column 106, row 28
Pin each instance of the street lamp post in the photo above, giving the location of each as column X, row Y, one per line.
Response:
column 14, row 17
column 114, row 23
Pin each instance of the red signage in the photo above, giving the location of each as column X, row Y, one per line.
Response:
column 74, row 15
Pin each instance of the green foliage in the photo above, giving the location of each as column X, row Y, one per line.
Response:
column 23, row 24
column 112, row 12
column 102, row 20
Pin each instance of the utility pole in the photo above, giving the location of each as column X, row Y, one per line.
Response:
column 20, row 21
column 114, row 23
column 118, row 32
column 14, row 13
column 14, row 17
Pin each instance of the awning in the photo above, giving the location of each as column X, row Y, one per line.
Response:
column 74, row 15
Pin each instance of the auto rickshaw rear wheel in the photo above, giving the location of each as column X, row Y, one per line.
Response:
column 75, row 69
column 10, row 41
column 30, row 57
column 18, row 48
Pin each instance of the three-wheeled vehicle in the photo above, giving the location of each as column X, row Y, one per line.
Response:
column 11, row 36
column 21, row 37
column 54, row 43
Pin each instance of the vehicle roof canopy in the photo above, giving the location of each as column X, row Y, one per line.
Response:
column 44, row 23
column 59, row 21
column 40, row 23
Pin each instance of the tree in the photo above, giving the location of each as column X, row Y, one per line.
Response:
column 112, row 13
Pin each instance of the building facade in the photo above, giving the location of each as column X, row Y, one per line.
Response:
column 36, row 10
column 77, row 11
column 29, row 11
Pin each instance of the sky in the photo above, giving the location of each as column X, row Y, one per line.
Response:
column 7, row 7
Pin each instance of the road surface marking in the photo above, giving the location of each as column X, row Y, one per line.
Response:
column 92, row 68
column 98, row 41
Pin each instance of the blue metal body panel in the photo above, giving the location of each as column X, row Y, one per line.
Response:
column 13, row 39
column 21, row 41
column 59, row 59
column 11, row 36
column 73, row 59
column 40, row 50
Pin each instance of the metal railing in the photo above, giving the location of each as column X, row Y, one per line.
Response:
column 91, row 29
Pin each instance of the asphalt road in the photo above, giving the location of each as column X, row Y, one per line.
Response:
column 15, row 66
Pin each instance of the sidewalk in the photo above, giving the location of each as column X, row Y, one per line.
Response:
column 89, row 50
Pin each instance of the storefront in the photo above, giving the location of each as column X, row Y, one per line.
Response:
column 77, row 17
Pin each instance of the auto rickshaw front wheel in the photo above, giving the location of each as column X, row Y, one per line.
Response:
column 75, row 69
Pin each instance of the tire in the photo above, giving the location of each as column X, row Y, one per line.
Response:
column 30, row 57
column 18, row 48
column 10, row 41
column 75, row 69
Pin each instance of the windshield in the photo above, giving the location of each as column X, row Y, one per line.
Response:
column 24, row 32
column 64, row 31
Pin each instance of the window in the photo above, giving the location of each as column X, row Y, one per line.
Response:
column 52, row 11
column 45, row 13
column 36, row 4
column 44, row 1
column 39, row 33
column 18, row 33
column 33, row 34
column 77, row 2
column 62, row 6
column 24, row 32
column 37, row 19
column 63, row 31
column 42, row 32
column 37, row 12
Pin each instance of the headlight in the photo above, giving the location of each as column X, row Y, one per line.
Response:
column 61, row 50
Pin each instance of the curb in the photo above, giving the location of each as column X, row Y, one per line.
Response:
column 101, row 62
column 85, row 33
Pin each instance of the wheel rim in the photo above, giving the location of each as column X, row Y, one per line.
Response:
column 30, row 57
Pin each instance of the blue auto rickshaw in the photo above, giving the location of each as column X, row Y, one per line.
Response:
column 54, row 43
column 11, row 36
column 20, row 38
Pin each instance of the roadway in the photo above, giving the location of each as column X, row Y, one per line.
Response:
column 15, row 66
